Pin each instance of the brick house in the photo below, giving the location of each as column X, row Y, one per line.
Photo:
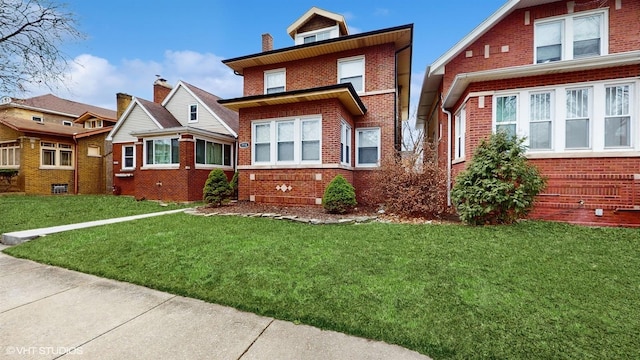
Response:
column 563, row 74
column 55, row 145
column 330, row 104
column 165, row 149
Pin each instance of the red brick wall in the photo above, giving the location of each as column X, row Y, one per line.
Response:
column 323, row 70
column 513, row 32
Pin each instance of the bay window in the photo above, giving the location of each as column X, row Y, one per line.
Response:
column 287, row 141
column 10, row 154
column 506, row 114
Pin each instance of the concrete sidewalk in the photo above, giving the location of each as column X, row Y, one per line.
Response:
column 48, row 312
column 17, row 237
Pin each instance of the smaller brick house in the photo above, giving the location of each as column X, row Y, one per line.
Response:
column 333, row 103
column 165, row 149
column 56, row 145
column 563, row 74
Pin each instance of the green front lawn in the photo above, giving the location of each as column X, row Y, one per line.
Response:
column 20, row 212
column 532, row 290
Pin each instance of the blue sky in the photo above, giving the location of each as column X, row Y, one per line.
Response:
column 129, row 42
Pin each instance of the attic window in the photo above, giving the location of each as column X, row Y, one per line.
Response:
column 67, row 123
column 193, row 113
column 37, row 118
column 92, row 124
column 317, row 35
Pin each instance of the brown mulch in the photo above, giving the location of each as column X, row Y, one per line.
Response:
column 312, row 212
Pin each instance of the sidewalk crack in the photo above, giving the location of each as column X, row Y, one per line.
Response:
column 256, row 339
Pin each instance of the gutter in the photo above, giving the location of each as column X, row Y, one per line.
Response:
column 398, row 144
column 448, row 153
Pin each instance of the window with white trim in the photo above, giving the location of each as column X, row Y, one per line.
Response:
column 460, row 125
column 128, row 157
column 367, row 147
column 598, row 116
column 540, row 121
column 571, row 37
column 67, row 123
column 93, row 151
column 317, row 35
column 193, row 113
column 162, row 152
column 345, row 144
column 287, row 141
column 55, row 155
column 351, row 70
column 213, row 153
column 93, row 124
column 506, row 114
column 617, row 120
column 275, row 81
column 323, row 35
column 10, row 154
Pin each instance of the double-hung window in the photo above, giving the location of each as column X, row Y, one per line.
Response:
column 10, row 154
column 460, row 124
column 506, row 114
column 540, row 123
column 162, row 152
column 56, row 155
column 275, row 81
column 617, row 120
column 351, row 70
column 213, row 153
column 128, row 157
column 193, row 113
column 577, row 134
column 345, row 144
column 571, row 37
column 287, row 141
column 368, row 147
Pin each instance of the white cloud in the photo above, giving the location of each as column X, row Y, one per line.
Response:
column 94, row 80
column 381, row 12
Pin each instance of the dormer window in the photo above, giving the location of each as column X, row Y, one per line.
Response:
column 275, row 81
column 324, row 35
column 93, row 124
column 571, row 37
column 317, row 35
column 193, row 113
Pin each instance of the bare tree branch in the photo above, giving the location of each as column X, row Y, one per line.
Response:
column 31, row 33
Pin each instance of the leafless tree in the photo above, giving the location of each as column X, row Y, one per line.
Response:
column 31, row 33
column 412, row 144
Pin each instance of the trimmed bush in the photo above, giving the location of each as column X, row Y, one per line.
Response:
column 234, row 185
column 216, row 190
column 339, row 196
column 499, row 185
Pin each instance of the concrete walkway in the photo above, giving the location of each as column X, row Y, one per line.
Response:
column 18, row 237
column 48, row 313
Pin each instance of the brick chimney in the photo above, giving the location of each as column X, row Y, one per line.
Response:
column 161, row 89
column 122, row 103
column 267, row 42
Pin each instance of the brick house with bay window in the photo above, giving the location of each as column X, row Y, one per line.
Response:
column 563, row 74
column 165, row 149
column 331, row 104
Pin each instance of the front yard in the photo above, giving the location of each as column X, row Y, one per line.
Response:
column 532, row 290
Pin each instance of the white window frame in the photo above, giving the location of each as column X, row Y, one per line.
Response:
column 324, row 34
column 495, row 112
column 67, row 123
column 353, row 59
column 345, row 143
column 460, row 133
column 171, row 164
column 589, row 118
column 551, row 119
column 597, row 115
column 205, row 165
column 10, row 155
column 297, row 141
column 629, row 114
column 567, row 33
column 192, row 115
column 57, row 149
column 124, row 157
column 358, row 131
column 270, row 73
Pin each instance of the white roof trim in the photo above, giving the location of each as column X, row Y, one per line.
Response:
column 186, row 130
column 134, row 102
column 291, row 30
column 200, row 102
column 463, row 80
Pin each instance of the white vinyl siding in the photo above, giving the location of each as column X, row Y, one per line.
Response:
column 136, row 120
column 181, row 100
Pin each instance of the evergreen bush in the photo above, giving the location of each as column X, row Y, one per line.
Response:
column 339, row 196
column 216, row 190
column 499, row 184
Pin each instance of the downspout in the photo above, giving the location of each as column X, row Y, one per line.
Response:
column 448, row 153
column 397, row 144
column 75, row 165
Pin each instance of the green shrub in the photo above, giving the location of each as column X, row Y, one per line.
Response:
column 216, row 190
column 499, row 185
column 234, row 185
column 339, row 196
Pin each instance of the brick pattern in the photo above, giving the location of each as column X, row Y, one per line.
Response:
column 91, row 170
